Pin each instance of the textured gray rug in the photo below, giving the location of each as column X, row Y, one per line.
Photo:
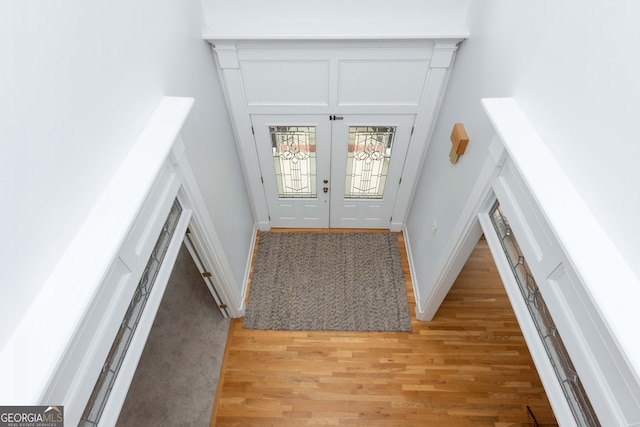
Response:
column 327, row 281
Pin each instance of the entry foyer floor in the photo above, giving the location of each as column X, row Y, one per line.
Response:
column 470, row 366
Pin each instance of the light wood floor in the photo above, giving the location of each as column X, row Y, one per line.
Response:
column 468, row 367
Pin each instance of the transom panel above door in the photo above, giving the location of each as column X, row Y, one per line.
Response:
column 319, row 172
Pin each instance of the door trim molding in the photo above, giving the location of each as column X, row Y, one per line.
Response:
column 230, row 53
column 226, row 57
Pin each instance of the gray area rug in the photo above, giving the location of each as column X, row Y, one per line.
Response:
column 327, row 281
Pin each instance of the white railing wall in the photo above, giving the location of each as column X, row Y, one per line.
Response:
column 93, row 283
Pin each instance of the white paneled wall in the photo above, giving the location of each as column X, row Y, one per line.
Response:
column 362, row 75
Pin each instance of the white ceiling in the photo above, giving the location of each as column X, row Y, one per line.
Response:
column 336, row 17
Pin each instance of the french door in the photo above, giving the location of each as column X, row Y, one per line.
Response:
column 320, row 171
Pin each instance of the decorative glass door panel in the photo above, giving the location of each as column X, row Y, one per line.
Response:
column 368, row 154
column 368, row 157
column 294, row 159
column 294, row 156
column 323, row 173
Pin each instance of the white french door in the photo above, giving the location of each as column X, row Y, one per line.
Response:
column 367, row 158
column 295, row 159
column 320, row 172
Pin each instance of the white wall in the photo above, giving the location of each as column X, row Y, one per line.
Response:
column 353, row 17
column 572, row 67
column 78, row 82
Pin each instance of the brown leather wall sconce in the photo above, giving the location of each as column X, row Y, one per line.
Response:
column 459, row 139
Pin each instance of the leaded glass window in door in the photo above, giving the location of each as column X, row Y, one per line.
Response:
column 368, row 157
column 294, row 159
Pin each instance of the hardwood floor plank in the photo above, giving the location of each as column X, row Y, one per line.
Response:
column 468, row 367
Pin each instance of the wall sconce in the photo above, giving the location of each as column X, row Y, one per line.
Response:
column 459, row 139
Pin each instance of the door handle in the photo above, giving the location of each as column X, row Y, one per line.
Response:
column 325, row 189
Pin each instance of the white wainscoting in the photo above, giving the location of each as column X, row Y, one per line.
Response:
column 78, row 312
column 590, row 291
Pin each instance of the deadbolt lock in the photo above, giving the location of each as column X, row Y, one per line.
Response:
column 325, row 189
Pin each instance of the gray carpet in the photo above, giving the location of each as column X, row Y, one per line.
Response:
column 175, row 382
column 327, row 281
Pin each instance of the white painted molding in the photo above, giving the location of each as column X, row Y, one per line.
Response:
column 226, row 52
column 79, row 310
column 589, row 289
column 208, row 242
column 449, row 268
column 443, row 53
column 212, row 35
column 24, row 375
column 245, row 288
column 436, row 52
column 136, row 347
column 414, row 280
column 609, row 280
column 434, row 89
column 432, row 95
column 552, row 387
column 231, row 80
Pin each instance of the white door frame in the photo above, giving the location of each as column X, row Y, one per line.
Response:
column 204, row 236
column 230, row 55
column 194, row 252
